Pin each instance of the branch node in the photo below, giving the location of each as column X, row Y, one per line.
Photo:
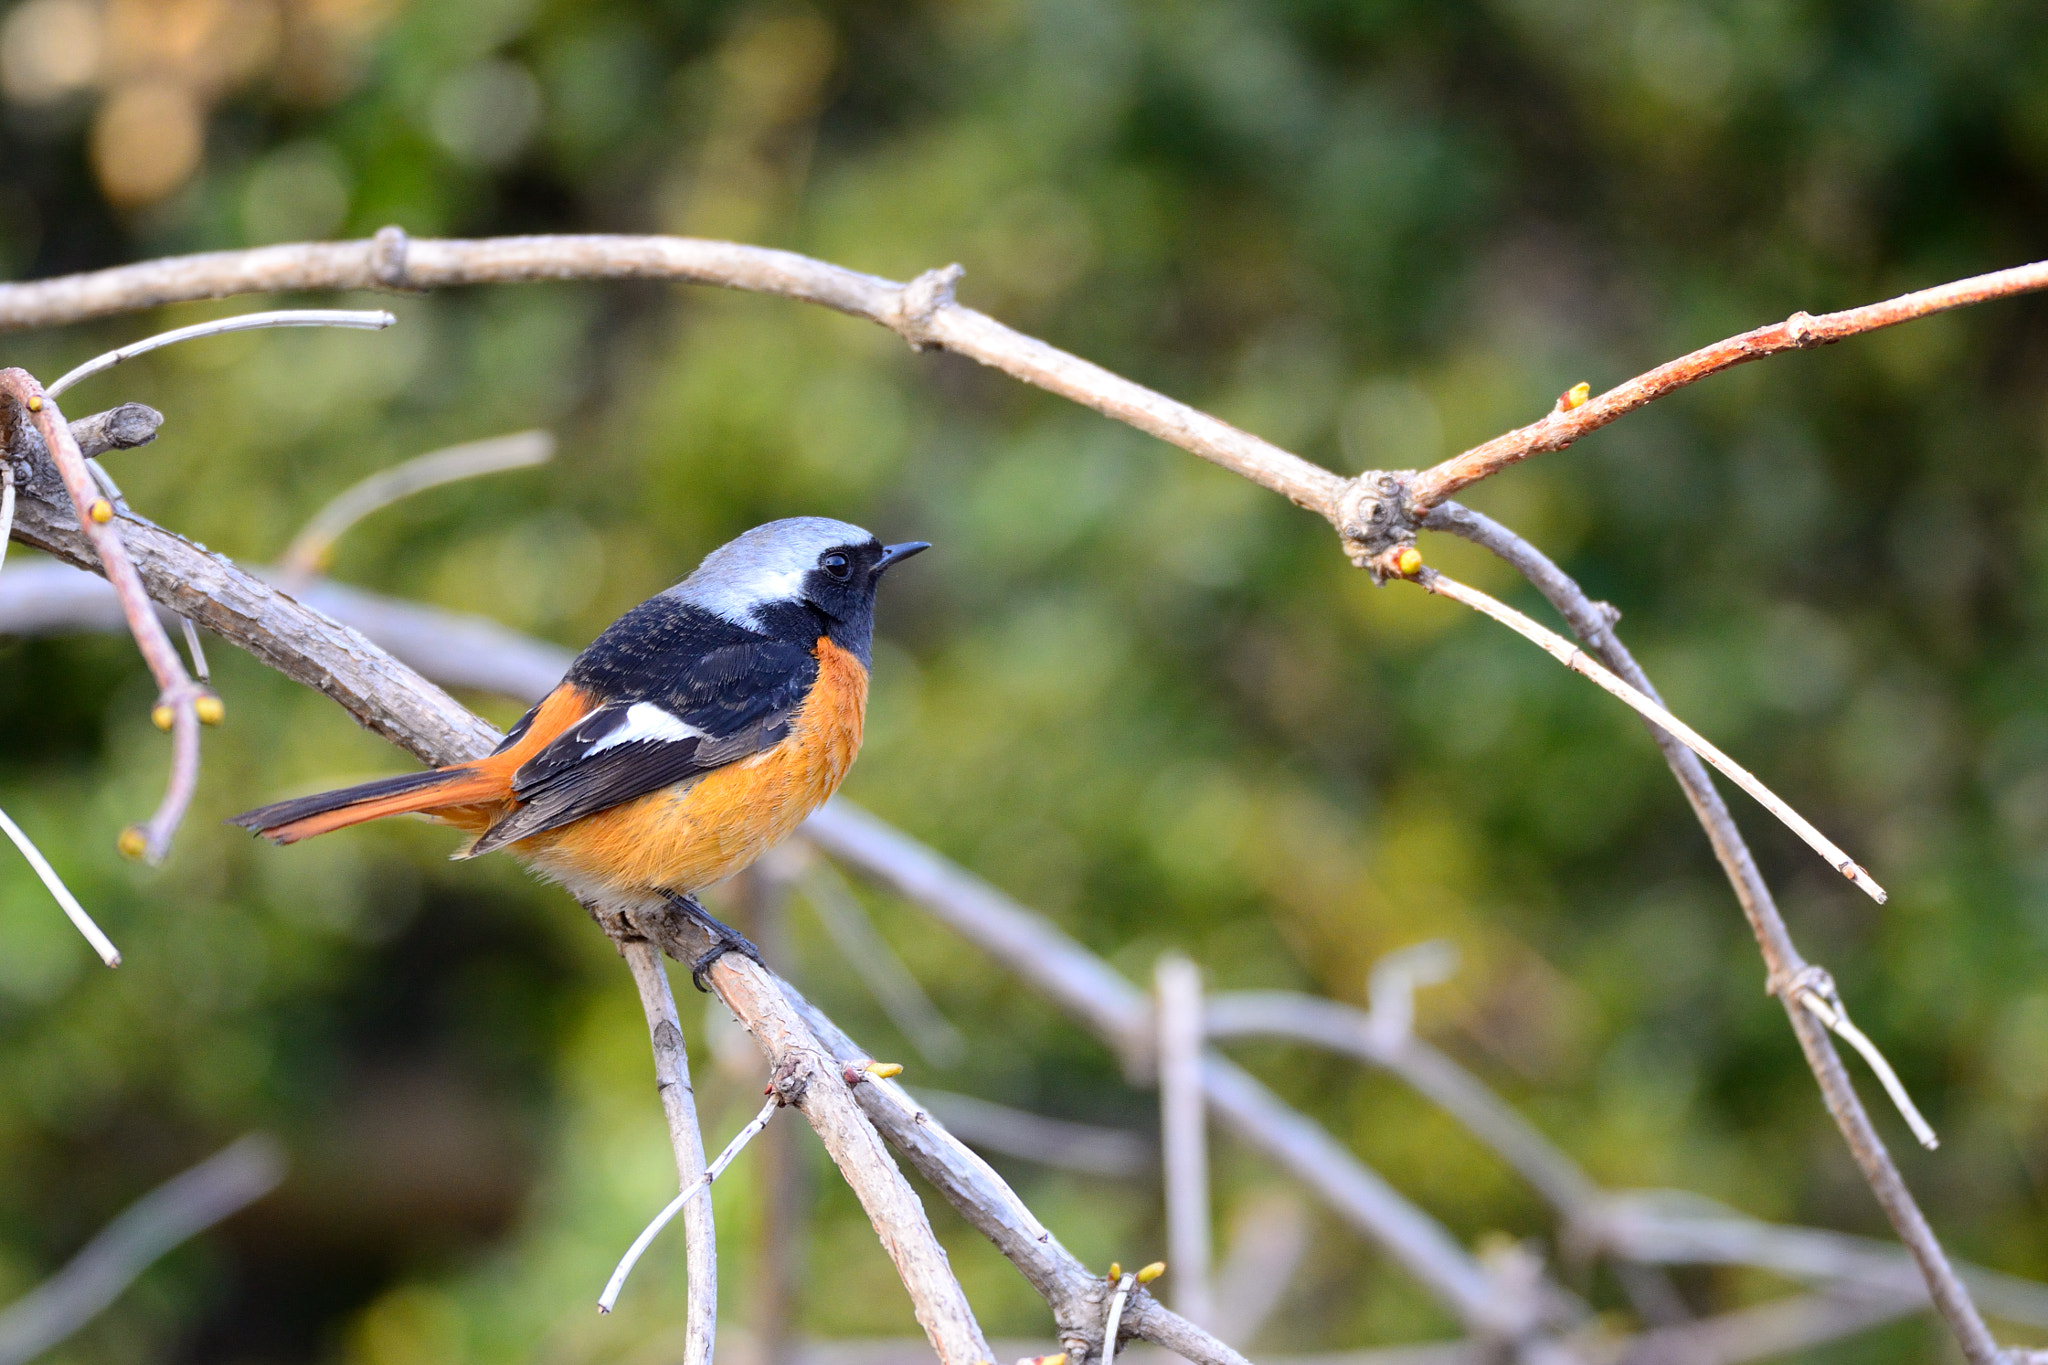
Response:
column 789, row 1083
column 387, row 258
column 1374, row 520
column 1799, row 329
column 922, row 300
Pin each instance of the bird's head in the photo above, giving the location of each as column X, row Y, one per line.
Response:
column 812, row 564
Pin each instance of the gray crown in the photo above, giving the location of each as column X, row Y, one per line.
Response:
column 766, row 564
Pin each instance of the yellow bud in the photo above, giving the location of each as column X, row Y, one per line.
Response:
column 1116, row 1271
column 133, row 843
column 35, row 404
column 1408, row 561
column 212, row 710
column 1574, row 397
column 101, row 511
column 1151, row 1272
column 162, row 716
column 883, row 1071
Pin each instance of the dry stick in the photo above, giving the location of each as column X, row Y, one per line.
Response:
column 175, row 688
column 1578, row 661
column 1782, row 959
column 101, row 944
column 244, row 322
column 1183, row 1126
column 174, row 1211
column 679, row 1107
column 311, row 549
column 1560, row 429
column 691, row 1189
column 1115, row 1319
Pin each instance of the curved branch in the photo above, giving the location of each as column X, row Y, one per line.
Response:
column 922, row 312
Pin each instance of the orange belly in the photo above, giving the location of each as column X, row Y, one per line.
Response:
column 686, row 837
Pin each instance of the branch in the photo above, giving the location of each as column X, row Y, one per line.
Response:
column 174, row 1211
column 1595, row 627
column 922, row 312
column 1184, row 1133
column 177, row 695
column 1575, row 659
column 805, row 1076
column 679, row 1106
column 1561, row 428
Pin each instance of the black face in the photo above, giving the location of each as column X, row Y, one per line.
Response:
column 842, row 586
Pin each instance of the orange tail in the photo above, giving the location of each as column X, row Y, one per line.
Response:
column 287, row 822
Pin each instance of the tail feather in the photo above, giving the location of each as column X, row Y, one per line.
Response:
column 287, row 822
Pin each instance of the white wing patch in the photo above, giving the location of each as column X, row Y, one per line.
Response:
column 645, row 720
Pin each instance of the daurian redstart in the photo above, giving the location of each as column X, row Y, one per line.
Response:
column 691, row 736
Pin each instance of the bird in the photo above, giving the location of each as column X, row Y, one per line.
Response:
column 695, row 733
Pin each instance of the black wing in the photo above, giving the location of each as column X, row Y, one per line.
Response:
column 726, row 703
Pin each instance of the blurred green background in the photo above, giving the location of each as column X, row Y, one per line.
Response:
column 1138, row 693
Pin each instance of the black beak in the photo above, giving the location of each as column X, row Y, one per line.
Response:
column 892, row 554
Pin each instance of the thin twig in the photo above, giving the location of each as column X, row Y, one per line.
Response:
column 610, row 1297
column 1184, row 1133
column 1578, row 661
column 101, row 944
column 244, row 322
column 679, row 1107
column 311, row 549
column 174, row 1211
column 1560, row 428
column 1115, row 1319
column 196, row 651
column 1815, row 989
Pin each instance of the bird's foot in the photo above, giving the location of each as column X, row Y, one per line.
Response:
column 724, row 938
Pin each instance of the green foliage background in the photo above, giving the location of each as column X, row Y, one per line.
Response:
column 1140, row 694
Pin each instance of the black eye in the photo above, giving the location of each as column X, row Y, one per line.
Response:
column 835, row 564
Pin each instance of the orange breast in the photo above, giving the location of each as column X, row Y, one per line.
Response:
column 687, row 837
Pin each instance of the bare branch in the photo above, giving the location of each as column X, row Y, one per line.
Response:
column 679, row 1106
column 311, row 549
column 1559, row 429
column 174, row 1211
column 1577, row 660
column 118, row 428
column 1124, row 1286
column 75, row 912
column 1595, row 627
column 803, row 1074
column 1184, row 1130
column 1815, row 989
column 691, row 1189
column 922, row 312
column 246, row 322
